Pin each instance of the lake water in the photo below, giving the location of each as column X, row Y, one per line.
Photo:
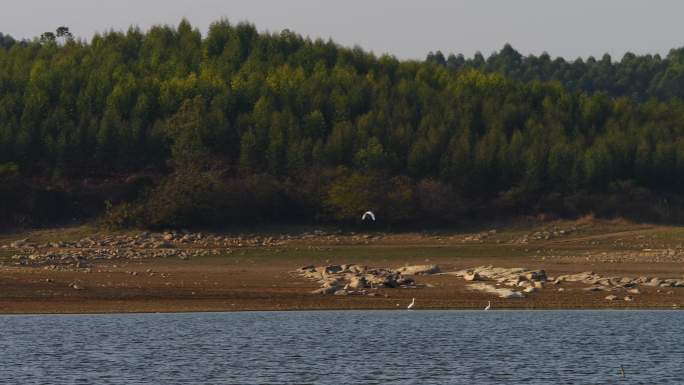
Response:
column 346, row 347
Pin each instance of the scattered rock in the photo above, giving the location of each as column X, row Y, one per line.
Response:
column 611, row 297
column 75, row 286
column 163, row 245
column 354, row 278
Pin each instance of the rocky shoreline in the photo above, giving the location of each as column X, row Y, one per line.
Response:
column 352, row 279
column 504, row 283
column 564, row 265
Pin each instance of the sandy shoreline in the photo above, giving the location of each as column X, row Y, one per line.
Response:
column 260, row 274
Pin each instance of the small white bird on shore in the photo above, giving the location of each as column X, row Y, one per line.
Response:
column 410, row 306
column 489, row 305
column 368, row 214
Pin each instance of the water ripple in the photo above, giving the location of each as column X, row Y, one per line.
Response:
column 359, row 347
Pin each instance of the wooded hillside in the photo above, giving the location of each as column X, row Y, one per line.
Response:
column 241, row 126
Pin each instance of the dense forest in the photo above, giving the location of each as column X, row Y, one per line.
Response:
column 171, row 128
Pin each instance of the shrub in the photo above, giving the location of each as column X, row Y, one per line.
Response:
column 351, row 195
column 122, row 216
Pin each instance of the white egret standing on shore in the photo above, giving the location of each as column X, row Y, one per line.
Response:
column 368, row 214
column 410, row 306
column 489, row 305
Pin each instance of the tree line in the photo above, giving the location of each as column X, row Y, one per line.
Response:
column 237, row 125
column 640, row 77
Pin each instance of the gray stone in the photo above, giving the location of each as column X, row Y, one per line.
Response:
column 75, row 286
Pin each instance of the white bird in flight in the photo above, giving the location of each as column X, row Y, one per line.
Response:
column 489, row 305
column 368, row 214
column 410, row 306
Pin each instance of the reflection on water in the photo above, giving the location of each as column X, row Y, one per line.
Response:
column 361, row 347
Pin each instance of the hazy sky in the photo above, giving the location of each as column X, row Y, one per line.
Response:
column 405, row 28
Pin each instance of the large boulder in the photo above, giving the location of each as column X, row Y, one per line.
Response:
column 325, row 290
column 358, row 283
column 501, row 292
column 381, row 280
column 512, row 294
column 419, row 270
column 536, row 275
column 405, row 281
column 18, row 243
column 595, row 288
column 653, row 282
column 333, row 269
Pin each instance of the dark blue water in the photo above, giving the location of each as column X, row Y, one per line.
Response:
column 351, row 347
